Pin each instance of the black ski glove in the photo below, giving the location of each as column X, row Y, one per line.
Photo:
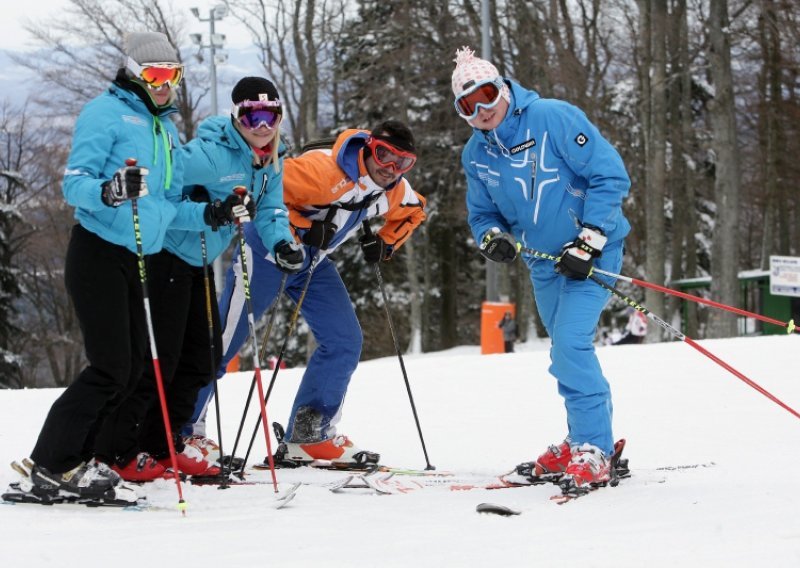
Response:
column 374, row 249
column 320, row 233
column 127, row 183
column 578, row 256
column 220, row 213
column 289, row 257
column 498, row 246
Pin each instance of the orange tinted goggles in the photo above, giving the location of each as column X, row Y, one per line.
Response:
column 157, row 74
column 482, row 95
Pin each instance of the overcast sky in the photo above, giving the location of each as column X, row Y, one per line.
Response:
column 15, row 12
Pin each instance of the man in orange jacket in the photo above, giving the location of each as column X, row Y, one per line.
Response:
column 329, row 194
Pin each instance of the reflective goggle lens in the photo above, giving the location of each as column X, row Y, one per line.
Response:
column 486, row 95
column 387, row 156
column 255, row 118
column 157, row 76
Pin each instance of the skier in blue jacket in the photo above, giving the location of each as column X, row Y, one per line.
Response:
column 540, row 173
column 241, row 149
column 129, row 120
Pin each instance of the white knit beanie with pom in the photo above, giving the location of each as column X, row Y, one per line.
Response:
column 471, row 70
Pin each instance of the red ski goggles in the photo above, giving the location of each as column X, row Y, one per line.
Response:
column 157, row 74
column 482, row 95
column 389, row 156
column 255, row 114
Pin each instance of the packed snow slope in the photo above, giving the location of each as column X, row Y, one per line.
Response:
column 480, row 415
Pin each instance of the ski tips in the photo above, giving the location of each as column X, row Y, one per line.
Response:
column 495, row 509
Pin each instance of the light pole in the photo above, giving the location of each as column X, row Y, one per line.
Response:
column 215, row 41
column 492, row 293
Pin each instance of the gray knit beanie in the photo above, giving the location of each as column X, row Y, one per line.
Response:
column 150, row 47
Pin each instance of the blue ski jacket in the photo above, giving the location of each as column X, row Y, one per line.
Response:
column 111, row 128
column 219, row 159
column 542, row 173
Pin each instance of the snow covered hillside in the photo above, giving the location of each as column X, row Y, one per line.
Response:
column 480, row 416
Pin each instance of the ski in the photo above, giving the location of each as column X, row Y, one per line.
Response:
column 17, row 494
column 364, row 460
column 495, row 509
column 23, row 492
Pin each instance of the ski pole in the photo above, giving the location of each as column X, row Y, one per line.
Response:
column 289, row 333
column 130, row 162
column 679, row 335
column 379, row 276
column 790, row 325
column 242, row 191
column 261, row 355
column 212, row 357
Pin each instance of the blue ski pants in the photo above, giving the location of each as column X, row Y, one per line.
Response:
column 327, row 310
column 570, row 310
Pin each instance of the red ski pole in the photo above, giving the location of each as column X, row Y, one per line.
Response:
column 151, row 336
column 790, row 325
column 635, row 305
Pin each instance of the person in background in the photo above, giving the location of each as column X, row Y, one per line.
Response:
column 509, row 327
column 329, row 194
column 540, row 173
column 635, row 329
column 242, row 149
column 132, row 119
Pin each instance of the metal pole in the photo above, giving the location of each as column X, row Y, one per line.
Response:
column 492, row 294
column 219, row 277
column 213, row 50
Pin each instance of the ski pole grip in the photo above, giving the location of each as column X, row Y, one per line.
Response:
column 240, row 190
column 130, row 162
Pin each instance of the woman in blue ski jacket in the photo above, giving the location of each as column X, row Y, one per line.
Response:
column 131, row 120
column 539, row 173
column 241, row 150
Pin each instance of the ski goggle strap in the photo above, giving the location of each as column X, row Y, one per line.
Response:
column 481, row 95
column 157, row 74
column 388, row 156
column 255, row 114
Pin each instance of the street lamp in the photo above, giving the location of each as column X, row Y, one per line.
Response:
column 215, row 42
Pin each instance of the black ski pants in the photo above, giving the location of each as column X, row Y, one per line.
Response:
column 181, row 327
column 102, row 280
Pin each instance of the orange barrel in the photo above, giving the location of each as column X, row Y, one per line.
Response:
column 491, row 335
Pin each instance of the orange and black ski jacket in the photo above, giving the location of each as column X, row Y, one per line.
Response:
column 333, row 184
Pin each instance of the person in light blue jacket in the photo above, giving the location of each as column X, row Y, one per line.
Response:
column 540, row 174
column 128, row 122
column 239, row 150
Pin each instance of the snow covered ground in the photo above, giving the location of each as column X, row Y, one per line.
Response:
column 480, row 415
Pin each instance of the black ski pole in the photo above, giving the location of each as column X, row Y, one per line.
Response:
column 368, row 232
column 242, row 191
column 212, row 358
column 289, row 333
column 262, row 353
column 137, row 233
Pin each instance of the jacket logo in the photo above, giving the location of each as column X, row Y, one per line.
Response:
column 524, row 146
column 581, row 139
column 340, row 186
column 139, row 121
